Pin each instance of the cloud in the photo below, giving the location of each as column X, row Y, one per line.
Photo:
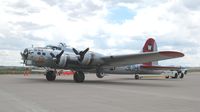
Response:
column 192, row 5
column 30, row 26
column 21, row 7
column 77, row 9
column 12, row 57
column 107, row 26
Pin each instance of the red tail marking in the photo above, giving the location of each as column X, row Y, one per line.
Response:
column 149, row 46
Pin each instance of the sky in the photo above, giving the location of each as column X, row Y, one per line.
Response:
column 105, row 26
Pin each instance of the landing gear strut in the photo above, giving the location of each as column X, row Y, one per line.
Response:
column 50, row 75
column 79, row 76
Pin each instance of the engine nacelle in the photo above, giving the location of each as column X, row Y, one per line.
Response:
column 87, row 59
column 71, row 59
column 66, row 60
column 63, row 61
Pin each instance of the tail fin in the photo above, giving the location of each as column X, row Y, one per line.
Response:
column 150, row 46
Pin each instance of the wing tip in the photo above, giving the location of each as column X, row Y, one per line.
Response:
column 172, row 54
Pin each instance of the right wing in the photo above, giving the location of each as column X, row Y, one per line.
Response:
column 121, row 60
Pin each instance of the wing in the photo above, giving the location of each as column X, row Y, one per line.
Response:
column 121, row 60
column 161, row 67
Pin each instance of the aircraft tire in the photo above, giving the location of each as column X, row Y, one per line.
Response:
column 99, row 75
column 50, row 75
column 182, row 75
column 137, row 77
column 175, row 76
column 79, row 77
column 185, row 72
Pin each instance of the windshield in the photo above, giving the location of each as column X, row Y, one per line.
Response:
column 53, row 47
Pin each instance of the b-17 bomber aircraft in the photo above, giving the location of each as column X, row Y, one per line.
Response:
column 65, row 57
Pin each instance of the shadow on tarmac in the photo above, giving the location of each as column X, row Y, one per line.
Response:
column 113, row 82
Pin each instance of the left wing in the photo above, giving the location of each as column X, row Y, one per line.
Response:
column 121, row 60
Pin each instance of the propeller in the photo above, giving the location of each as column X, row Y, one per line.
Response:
column 81, row 53
column 24, row 54
column 57, row 57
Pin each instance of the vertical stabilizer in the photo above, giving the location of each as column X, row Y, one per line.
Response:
column 150, row 46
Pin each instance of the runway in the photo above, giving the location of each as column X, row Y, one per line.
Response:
column 110, row 94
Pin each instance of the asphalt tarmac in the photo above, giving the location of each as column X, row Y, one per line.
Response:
column 110, row 94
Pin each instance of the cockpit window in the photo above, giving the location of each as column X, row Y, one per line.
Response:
column 54, row 47
column 30, row 51
column 44, row 54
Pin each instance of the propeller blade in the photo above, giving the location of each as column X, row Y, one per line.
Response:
column 52, row 55
column 22, row 55
column 75, row 51
column 81, row 53
column 60, row 54
column 57, row 57
column 85, row 51
column 25, row 54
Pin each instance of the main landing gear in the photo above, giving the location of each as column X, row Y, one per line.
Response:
column 79, row 77
column 182, row 75
column 175, row 76
column 50, row 75
column 137, row 77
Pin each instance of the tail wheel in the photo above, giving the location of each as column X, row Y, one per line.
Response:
column 99, row 75
column 50, row 75
column 182, row 75
column 185, row 72
column 137, row 77
column 79, row 77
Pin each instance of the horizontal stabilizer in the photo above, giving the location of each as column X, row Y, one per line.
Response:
column 160, row 67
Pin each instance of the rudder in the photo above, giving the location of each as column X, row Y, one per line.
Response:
column 150, row 46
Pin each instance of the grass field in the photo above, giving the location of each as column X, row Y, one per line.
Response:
column 16, row 70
